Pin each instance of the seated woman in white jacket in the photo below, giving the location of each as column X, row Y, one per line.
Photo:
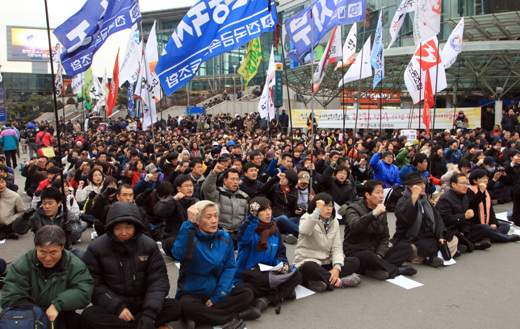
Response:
column 95, row 183
column 319, row 250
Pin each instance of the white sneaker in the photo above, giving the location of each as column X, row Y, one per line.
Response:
column 93, row 235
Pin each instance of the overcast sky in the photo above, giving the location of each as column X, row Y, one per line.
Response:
column 31, row 13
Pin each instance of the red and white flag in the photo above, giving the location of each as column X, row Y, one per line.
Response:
column 429, row 101
column 330, row 55
column 361, row 67
column 427, row 23
column 425, row 59
column 114, row 88
column 349, row 48
column 405, row 7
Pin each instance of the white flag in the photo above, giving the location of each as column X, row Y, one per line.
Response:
column 129, row 70
column 56, row 52
column 349, row 48
column 407, row 6
column 1, row 78
column 77, row 83
column 58, row 80
column 332, row 51
column 266, row 104
column 427, row 23
column 361, row 65
column 424, row 59
column 148, row 86
column 104, row 85
column 453, row 46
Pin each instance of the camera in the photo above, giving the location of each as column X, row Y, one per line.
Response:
column 500, row 169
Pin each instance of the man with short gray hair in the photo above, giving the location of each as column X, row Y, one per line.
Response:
column 30, row 275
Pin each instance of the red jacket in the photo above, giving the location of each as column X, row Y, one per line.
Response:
column 46, row 139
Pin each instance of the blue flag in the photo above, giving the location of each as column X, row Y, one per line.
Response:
column 85, row 32
column 211, row 28
column 130, row 96
column 377, row 59
column 326, row 15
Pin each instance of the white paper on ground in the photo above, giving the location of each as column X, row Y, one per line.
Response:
column 269, row 268
column 302, row 292
column 502, row 216
column 404, row 282
column 336, row 207
column 2, row 241
column 446, row 262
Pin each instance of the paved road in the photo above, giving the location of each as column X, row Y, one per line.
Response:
column 480, row 291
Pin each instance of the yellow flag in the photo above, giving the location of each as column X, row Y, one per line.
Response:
column 87, row 85
column 250, row 64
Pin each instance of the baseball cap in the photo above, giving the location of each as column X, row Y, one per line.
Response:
column 304, row 177
column 489, row 161
column 150, row 169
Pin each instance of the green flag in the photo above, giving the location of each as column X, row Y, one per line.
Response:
column 87, row 85
column 250, row 64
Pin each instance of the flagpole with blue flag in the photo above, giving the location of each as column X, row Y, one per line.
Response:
column 54, row 94
column 377, row 60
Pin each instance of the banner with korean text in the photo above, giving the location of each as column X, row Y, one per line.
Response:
column 211, row 28
column 392, row 118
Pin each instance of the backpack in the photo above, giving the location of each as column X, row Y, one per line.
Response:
column 24, row 314
column 30, row 134
column 392, row 197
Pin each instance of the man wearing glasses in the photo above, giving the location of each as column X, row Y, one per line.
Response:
column 456, row 213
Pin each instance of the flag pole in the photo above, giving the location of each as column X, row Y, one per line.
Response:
column 359, row 84
column 149, row 101
column 344, row 103
column 312, row 97
column 420, row 88
column 60, row 164
column 288, row 96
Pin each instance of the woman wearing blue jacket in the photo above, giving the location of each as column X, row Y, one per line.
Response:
column 260, row 242
column 205, row 284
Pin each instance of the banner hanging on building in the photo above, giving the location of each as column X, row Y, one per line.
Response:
column 391, row 119
column 211, row 28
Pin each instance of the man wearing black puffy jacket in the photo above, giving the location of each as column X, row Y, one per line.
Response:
column 130, row 277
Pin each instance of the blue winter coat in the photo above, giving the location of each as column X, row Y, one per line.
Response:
column 248, row 256
column 9, row 139
column 143, row 185
column 209, row 268
column 387, row 173
column 272, row 170
column 424, row 174
column 452, row 157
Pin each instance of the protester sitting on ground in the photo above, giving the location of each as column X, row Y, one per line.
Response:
column 173, row 208
column 205, row 284
column 419, row 223
column 59, row 281
column 340, row 184
column 51, row 212
column 454, row 208
column 12, row 206
column 385, row 170
column 281, row 191
column 452, row 154
column 367, row 237
column 286, row 162
column 151, row 180
column 232, row 201
column 463, row 167
column 260, row 241
column 484, row 214
column 131, row 280
column 319, row 253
